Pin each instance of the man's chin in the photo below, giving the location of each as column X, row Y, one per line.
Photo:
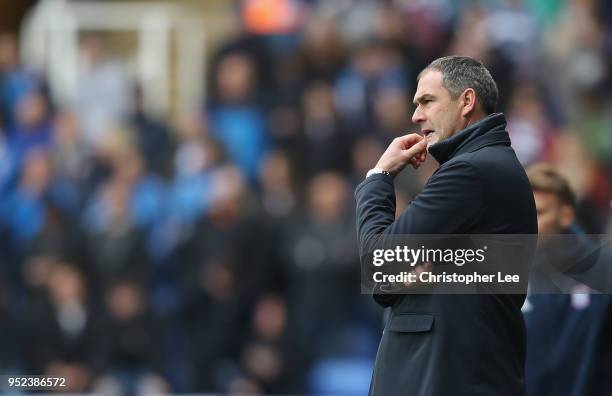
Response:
column 431, row 141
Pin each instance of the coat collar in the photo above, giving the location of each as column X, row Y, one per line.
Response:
column 488, row 131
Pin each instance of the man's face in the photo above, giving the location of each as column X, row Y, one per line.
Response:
column 436, row 112
column 550, row 213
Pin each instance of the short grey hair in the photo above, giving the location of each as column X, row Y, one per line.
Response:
column 460, row 73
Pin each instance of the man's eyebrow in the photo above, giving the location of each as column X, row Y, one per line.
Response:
column 422, row 97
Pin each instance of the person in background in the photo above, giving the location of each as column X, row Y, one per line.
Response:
column 32, row 127
column 132, row 351
column 236, row 118
column 104, row 94
column 568, row 347
column 16, row 80
column 63, row 335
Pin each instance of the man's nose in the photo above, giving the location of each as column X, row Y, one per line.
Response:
column 417, row 116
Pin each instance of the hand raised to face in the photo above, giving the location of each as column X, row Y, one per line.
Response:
column 403, row 150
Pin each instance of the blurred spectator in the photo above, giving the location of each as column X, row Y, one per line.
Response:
column 266, row 357
column 144, row 192
column 318, row 248
column 513, row 29
column 592, row 124
column 589, row 181
column 472, row 38
column 153, row 138
column 428, row 24
column 117, row 247
column 133, row 349
column 71, row 157
column 63, row 335
column 366, row 151
column 323, row 50
column 237, row 121
column 15, row 81
column 373, row 68
column 327, row 142
column 214, row 314
column 121, row 215
column 278, row 197
column 572, row 49
column 566, row 352
column 25, row 210
column 104, row 93
column 529, row 128
column 391, row 112
column 285, row 125
column 32, row 126
column 230, row 232
column 196, row 156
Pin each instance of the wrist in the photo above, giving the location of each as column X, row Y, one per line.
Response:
column 378, row 171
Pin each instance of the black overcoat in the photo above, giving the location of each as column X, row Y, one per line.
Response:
column 443, row 345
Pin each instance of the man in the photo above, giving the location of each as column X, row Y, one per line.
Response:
column 568, row 348
column 440, row 345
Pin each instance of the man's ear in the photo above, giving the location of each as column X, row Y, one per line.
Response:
column 567, row 216
column 468, row 102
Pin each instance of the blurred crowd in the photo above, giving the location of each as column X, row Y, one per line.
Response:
column 215, row 251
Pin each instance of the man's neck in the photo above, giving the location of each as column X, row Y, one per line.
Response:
column 472, row 118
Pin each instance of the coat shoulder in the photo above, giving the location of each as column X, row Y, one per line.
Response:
column 508, row 198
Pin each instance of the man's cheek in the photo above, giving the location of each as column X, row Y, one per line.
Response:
column 547, row 224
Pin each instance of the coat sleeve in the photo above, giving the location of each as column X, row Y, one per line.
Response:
column 451, row 202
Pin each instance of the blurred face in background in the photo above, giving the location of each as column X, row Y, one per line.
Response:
column 392, row 110
column 438, row 114
column 66, row 128
column 276, row 172
column 32, row 110
column 318, row 102
column 365, row 152
column 322, row 39
column 37, row 173
column 129, row 165
column 116, row 196
column 235, row 77
column 269, row 319
column 327, row 194
column 125, row 301
column 9, row 52
column 65, row 284
column 553, row 216
column 93, row 47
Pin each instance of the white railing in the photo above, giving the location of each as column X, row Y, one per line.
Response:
column 50, row 38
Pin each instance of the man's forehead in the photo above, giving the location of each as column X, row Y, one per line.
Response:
column 429, row 83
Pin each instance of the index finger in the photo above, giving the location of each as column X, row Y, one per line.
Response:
column 415, row 149
column 410, row 140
